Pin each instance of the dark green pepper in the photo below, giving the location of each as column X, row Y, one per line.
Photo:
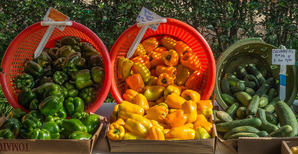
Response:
column 79, row 115
column 64, row 92
column 64, row 51
column 92, row 123
column 43, row 80
column 17, row 113
column 26, row 96
column 24, row 80
column 88, row 95
column 57, row 64
column 70, row 40
column 48, row 71
column 50, row 105
column 33, row 69
column 78, row 135
column 98, row 74
column 6, row 134
column 69, row 126
column 88, row 51
column 33, row 113
column 71, row 63
column 72, row 91
column 53, row 128
column 82, row 64
column 83, row 79
column 44, row 60
column 53, row 51
column 73, row 105
column 34, row 104
column 60, row 77
column 12, row 124
column 42, row 134
column 95, row 60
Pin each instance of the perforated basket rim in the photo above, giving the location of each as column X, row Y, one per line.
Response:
column 5, row 64
column 212, row 67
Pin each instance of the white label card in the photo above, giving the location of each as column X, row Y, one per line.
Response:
column 54, row 15
column 283, row 56
column 147, row 15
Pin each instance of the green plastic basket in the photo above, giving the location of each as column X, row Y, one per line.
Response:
column 256, row 51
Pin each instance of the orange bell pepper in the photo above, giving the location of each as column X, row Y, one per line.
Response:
column 177, row 118
column 194, row 81
column 155, row 59
column 143, row 59
column 153, row 72
column 174, row 101
column 182, row 48
column 191, row 95
column 150, row 44
column 155, row 133
column 141, row 100
column 160, row 49
column 156, row 124
column 160, row 100
column 126, row 109
column 151, row 104
column 202, row 122
column 172, row 71
column 205, row 107
column 181, row 133
column 129, row 95
column 170, row 57
column 116, row 132
column 190, row 110
column 140, row 50
column 190, row 125
column 168, row 42
column 152, row 81
column 157, row 113
column 171, row 89
column 135, row 82
column 164, row 80
column 191, row 61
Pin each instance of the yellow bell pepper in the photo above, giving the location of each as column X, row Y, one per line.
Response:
column 172, row 71
column 132, row 136
column 164, row 80
column 168, row 42
column 170, row 57
column 124, row 68
column 141, row 100
column 155, row 133
column 191, row 95
column 120, row 122
column 190, row 110
column 129, row 95
column 138, row 124
column 294, row 149
column 205, row 107
column 172, row 110
column 155, row 123
column 202, row 122
column 157, row 113
column 116, row 132
column 181, row 133
column 126, row 109
column 171, row 89
column 139, row 51
column 177, row 118
column 163, row 104
column 166, row 131
column 201, row 133
column 150, row 44
column 190, row 125
column 114, row 115
column 174, row 101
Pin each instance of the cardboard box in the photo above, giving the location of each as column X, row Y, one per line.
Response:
column 287, row 145
column 22, row 146
column 206, row 146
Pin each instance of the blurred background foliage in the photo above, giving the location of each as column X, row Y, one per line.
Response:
column 220, row 22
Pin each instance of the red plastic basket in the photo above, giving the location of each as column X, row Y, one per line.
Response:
column 24, row 45
column 178, row 30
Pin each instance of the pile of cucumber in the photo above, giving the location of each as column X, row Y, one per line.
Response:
column 254, row 107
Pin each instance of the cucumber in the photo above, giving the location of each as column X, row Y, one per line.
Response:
column 241, row 72
column 216, row 120
column 223, row 116
column 236, row 136
column 228, row 99
column 243, row 97
column 250, row 84
column 241, row 112
column 263, row 89
column 232, row 81
column 271, row 82
column 241, row 129
column 225, row 87
column 240, row 86
column 252, row 69
column 262, row 133
column 250, row 91
column 272, row 93
column 230, row 75
column 232, row 109
column 226, row 126
column 268, row 127
column 284, row 131
column 271, row 118
column 253, row 105
column 286, row 116
column 252, row 78
column 263, row 101
column 271, row 106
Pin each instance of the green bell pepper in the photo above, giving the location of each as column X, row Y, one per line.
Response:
column 53, row 51
column 79, row 115
column 57, row 64
column 88, row 95
column 33, row 69
column 30, row 123
column 33, row 113
column 43, row 80
column 73, row 105
column 53, row 128
column 60, row 77
column 61, row 113
column 42, row 134
column 50, row 105
column 44, row 60
column 17, row 113
column 26, row 96
column 55, row 119
column 64, row 91
column 88, row 51
column 12, row 124
column 83, row 79
column 98, row 74
column 34, row 104
column 71, row 88
column 24, row 80
column 69, row 126
column 53, row 90
column 6, row 134
column 70, row 40
column 64, row 51
column 78, row 135
column 71, row 62
column 92, row 123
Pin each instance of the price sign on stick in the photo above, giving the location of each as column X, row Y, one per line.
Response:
column 146, row 19
column 283, row 57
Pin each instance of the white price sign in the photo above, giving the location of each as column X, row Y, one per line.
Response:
column 283, row 56
column 147, row 15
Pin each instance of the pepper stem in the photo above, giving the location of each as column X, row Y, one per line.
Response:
column 116, row 131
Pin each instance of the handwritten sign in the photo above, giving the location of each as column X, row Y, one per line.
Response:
column 147, row 15
column 283, row 56
column 54, row 15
